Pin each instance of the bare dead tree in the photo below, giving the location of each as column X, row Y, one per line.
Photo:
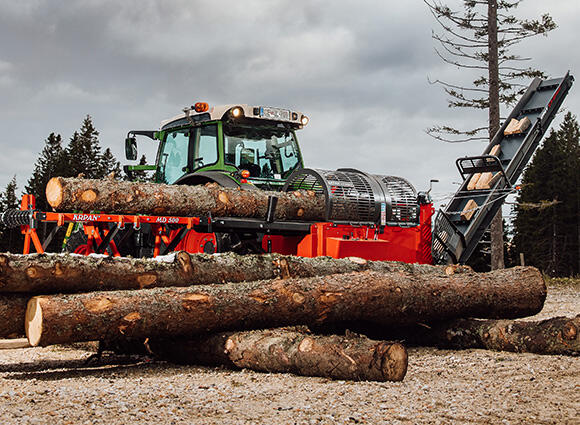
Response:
column 480, row 38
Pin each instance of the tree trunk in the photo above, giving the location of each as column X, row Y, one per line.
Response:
column 12, row 312
column 496, row 229
column 179, row 200
column 383, row 298
column 65, row 273
column 351, row 357
column 558, row 335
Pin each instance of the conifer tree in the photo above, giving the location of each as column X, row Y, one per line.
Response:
column 50, row 163
column 109, row 165
column 83, row 152
column 11, row 238
column 547, row 223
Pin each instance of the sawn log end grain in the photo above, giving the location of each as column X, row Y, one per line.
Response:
column 33, row 321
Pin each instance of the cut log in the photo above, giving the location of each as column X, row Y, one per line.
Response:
column 351, row 357
column 483, row 182
column 12, row 312
column 473, row 181
column 68, row 273
column 179, row 200
column 488, row 180
column 469, row 210
column 383, row 298
column 558, row 335
column 517, row 126
column 495, row 150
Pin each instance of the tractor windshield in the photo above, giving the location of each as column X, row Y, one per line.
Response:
column 266, row 152
column 173, row 158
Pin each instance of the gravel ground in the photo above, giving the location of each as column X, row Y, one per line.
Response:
column 53, row 385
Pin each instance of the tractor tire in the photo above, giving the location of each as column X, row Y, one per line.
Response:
column 77, row 243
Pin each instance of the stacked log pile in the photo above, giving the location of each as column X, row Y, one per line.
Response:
column 258, row 311
column 195, row 307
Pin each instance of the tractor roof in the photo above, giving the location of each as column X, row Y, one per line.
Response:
column 202, row 112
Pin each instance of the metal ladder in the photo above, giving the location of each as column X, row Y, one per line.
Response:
column 455, row 238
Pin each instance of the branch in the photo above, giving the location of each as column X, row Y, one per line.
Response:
column 460, row 53
column 540, row 206
column 455, row 43
column 443, row 83
column 451, row 62
column 437, row 131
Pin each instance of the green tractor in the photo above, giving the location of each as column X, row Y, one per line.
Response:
column 252, row 147
column 232, row 145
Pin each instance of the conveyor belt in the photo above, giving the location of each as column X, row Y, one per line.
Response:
column 455, row 237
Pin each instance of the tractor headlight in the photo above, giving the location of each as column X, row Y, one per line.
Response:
column 237, row 112
column 304, row 120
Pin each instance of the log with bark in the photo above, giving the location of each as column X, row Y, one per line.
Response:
column 558, row 335
column 12, row 312
column 383, row 298
column 179, row 200
column 351, row 357
column 69, row 273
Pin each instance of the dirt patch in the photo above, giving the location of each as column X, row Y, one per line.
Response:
column 54, row 385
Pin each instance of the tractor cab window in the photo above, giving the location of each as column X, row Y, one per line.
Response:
column 266, row 152
column 173, row 157
column 205, row 146
column 187, row 150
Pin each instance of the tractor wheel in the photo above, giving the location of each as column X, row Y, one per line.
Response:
column 211, row 243
column 195, row 242
column 77, row 243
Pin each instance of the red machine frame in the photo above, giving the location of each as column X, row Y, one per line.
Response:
column 410, row 244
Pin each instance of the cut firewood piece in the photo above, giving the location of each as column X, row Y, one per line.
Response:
column 69, row 273
column 387, row 298
column 517, row 126
column 487, row 180
column 12, row 344
column 558, row 335
column 351, row 357
column 469, row 210
column 179, row 200
column 12, row 311
column 483, row 182
column 494, row 179
column 495, row 150
column 473, row 181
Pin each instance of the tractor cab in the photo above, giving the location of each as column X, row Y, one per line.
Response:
column 232, row 145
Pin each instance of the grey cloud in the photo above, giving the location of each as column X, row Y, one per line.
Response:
column 359, row 69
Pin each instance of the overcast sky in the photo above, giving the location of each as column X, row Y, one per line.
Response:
column 358, row 69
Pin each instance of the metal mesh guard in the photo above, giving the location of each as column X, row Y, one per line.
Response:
column 403, row 199
column 349, row 195
column 355, row 196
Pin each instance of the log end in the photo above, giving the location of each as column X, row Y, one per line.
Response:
column 54, row 192
column 89, row 196
column 33, row 321
column 394, row 361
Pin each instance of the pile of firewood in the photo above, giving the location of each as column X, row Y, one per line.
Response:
column 229, row 309
column 264, row 312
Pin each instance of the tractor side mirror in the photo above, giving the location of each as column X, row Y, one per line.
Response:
column 131, row 148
